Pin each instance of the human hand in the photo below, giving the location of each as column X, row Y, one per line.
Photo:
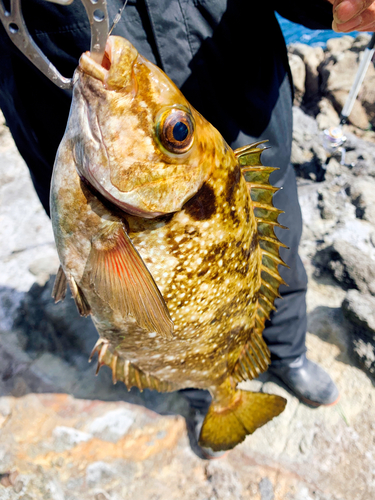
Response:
column 353, row 15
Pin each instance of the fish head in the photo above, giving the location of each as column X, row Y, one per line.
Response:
column 135, row 138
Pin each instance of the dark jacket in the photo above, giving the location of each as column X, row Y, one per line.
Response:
column 228, row 57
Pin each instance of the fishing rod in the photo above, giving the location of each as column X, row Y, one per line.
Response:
column 334, row 138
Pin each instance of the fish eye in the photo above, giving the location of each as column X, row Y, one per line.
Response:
column 176, row 131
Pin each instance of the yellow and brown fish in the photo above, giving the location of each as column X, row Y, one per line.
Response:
column 166, row 237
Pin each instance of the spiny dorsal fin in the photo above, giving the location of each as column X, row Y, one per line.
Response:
column 125, row 371
column 255, row 357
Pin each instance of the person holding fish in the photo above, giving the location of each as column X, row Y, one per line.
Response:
column 144, row 186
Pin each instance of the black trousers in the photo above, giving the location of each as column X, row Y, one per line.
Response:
column 285, row 334
column 36, row 111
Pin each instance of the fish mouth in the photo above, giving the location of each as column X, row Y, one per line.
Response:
column 116, row 69
column 92, row 68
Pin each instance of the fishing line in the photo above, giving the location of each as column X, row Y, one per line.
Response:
column 117, row 17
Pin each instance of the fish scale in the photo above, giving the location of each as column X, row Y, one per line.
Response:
column 167, row 242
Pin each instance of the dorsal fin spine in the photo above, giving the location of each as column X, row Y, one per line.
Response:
column 255, row 356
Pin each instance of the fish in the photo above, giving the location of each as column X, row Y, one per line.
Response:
column 166, row 239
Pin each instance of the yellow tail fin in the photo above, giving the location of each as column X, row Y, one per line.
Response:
column 227, row 423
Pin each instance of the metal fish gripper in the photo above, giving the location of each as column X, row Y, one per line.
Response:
column 16, row 28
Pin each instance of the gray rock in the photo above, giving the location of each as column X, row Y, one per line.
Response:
column 10, row 301
column 266, row 489
column 364, row 353
column 367, row 93
column 349, row 265
column 362, row 194
column 68, row 437
column 337, row 75
column 113, row 425
column 42, row 268
column 308, row 154
column 327, row 116
column 224, row 480
column 359, row 308
column 337, row 72
column 361, row 41
column 338, row 45
column 362, row 153
column 312, row 58
column 333, row 200
column 56, row 328
column 98, row 473
column 358, row 115
column 298, row 70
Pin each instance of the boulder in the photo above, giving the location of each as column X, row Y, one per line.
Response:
column 338, row 46
column 362, row 153
column 312, row 58
column 359, row 309
column 337, row 76
column 327, row 116
column 308, row 154
column 362, row 191
column 56, row 328
column 333, row 201
column 350, row 266
column 361, row 41
column 339, row 73
column 298, row 70
column 43, row 268
column 364, row 353
column 367, row 93
column 358, row 116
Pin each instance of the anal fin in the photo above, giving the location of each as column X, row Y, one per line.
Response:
column 253, row 360
column 122, row 280
column 126, row 372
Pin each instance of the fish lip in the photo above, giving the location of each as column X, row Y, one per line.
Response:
column 91, row 68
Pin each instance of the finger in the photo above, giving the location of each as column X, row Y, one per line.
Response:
column 359, row 23
column 369, row 27
column 346, row 10
column 353, row 24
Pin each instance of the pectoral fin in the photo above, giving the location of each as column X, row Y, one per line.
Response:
column 60, row 286
column 122, row 280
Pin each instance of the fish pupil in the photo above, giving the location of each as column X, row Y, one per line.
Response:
column 180, row 131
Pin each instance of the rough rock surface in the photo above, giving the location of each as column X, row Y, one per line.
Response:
column 312, row 57
column 359, row 308
column 308, row 154
column 350, row 266
column 298, row 68
column 329, row 77
column 67, row 435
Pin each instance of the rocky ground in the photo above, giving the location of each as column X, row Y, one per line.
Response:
column 67, row 435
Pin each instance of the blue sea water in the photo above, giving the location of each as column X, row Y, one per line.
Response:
column 296, row 33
